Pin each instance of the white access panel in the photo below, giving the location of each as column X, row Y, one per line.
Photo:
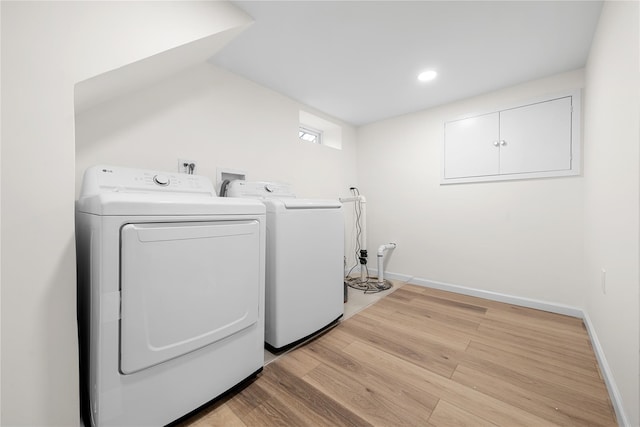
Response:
column 184, row 286
column 539, row 139
column 469, row 147
column 536, row 138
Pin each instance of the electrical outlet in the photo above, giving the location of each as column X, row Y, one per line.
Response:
column 603, row 280
column 186, row 166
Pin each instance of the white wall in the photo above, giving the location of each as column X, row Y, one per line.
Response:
column 521, row 238
column 611, row 195
column 217, row 119
column 47, row 47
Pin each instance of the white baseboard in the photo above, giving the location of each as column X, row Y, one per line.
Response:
column 495, row 296
column 614, row 393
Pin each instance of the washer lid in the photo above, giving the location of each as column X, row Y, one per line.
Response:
column 311, row 204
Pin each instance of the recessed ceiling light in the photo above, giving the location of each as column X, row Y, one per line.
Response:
column 426, row 76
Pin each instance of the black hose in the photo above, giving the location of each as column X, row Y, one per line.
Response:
column 223, row 188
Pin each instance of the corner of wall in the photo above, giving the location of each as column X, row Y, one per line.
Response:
column 612, row 203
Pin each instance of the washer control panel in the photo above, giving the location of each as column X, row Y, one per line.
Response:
column 259, row 189
column 99, row 179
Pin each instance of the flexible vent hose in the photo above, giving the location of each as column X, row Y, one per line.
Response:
column 223, row 188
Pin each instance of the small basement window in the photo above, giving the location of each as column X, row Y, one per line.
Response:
column 306, row 133
column 319, row 131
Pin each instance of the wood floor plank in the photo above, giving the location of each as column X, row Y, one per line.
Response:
column 419, row 324
column 539, row 316
column 223, row 416
column 550, row 323
column 448, row 415
column 435, row 359
column 460, row 297
column 423, row 331
column 337, row 338
column 505, row 332
column 299, row 363
column 413, row 293
column 384, row 381
column 365, row 399
column 272, row 413
column 405, row 293
column 552, row 390
column 439, row 315
column 444, row 306
column 555, row 411
column 554, row 337
column 248, row 399
column 305, row 401
column 579, row 384
column 459, row 305
column 529, row 350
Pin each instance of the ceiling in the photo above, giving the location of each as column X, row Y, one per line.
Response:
column 358, row 60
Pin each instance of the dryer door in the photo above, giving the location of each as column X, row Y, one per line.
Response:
column 184, row 286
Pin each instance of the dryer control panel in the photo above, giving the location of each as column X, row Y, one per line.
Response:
column 101, row 179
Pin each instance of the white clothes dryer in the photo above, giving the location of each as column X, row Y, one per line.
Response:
column 304, row 291
column 170, row 294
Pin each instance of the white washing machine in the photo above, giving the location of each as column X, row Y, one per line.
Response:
column 170, row 294
column 305, row 262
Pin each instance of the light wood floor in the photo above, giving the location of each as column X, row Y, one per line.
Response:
column 429, row 358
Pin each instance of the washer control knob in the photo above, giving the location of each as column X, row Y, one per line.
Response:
column 270, row 188
column 161, row 180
